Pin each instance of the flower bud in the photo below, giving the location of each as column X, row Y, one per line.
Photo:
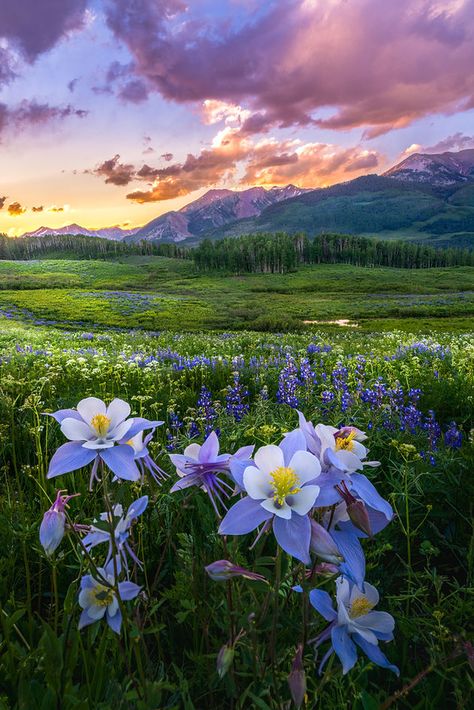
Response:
column 356, row 509
column 323, row 545
column 222, row 570
column 52, row 530
column 225, row 658
column 53, row 525
column 297, row 678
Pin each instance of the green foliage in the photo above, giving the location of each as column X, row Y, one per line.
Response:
column 423, row 562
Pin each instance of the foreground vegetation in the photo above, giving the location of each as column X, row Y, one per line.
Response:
column 405, row 391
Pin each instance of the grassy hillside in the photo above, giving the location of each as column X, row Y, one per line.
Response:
column 372, row 206
column 156, row 293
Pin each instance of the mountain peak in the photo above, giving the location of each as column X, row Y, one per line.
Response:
column 439, row 169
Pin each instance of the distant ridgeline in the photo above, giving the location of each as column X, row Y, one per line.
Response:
column 280, row 253
column 252, row 253
column 78, row 246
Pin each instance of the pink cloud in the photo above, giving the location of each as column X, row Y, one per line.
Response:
column 32, row 113
column 115, row 172
column 377, row 65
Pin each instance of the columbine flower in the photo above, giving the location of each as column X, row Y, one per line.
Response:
column 340, row 548
column 99, row 598
column 340, row 456
column 97, row 535
column 353, row 623
column 222, row 570
column 143, row 458
column 200, row 466
column 53, row 525
column 280, row 488
column 95, row 432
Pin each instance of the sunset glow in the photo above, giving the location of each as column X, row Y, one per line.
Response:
column 115, row 111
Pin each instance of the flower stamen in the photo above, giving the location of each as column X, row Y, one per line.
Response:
column 360, row 607
column 101, row 423
column 284, row 482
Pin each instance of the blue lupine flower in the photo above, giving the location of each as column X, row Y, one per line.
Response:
column 53, row 525
column 99, row 598
column 453, row 436
column 281, row 488
column 95, row 432
column 353, row 623
column 97, row 535
column 200, row 466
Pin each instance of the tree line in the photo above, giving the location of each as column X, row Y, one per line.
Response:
column 251, row 253
column 78, row 246
column 281, row 252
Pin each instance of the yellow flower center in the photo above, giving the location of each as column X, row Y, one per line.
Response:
column 101, row 424
column 104, row 596
column 345, row 443
column 284, row 482
column 360, row 607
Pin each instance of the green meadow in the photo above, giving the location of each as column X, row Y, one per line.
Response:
column 237, row 355
column 176, row 297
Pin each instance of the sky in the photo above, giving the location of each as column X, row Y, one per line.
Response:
column 113, row 112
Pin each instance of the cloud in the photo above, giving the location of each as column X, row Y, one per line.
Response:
column 2, row 201
column 115, row 173
column 134, row 92
column 375, row 65
column 72, row 85
column 32, row 113
column 266, row 162
column 40, row 208
column 15, row 209
column 457, row 141
column 35, row 27
column 53, row 208
column 167, row 156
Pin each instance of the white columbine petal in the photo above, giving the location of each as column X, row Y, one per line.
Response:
column 281, row 512
column 192, row 451
column 367, row 634
column 305, row 465
column 303, row 501
column 359, row 450
column 75, row 430
column 268, row 458
column 117, row 411
column 120, row 431
column 97, row 444
column 89, row 407
column 256, row 483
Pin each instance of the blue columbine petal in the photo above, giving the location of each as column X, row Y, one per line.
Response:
column 85, row 620
column 326, row 481
column 64, row 414
column 370, row 496
column 70, row 457
column 294, row 536
column 292, row 442
column 374, row 654
column 128, row 590
column 140, row 424
column 353, row 566
column 244, row 517
column 115, row 622
column 121, row 461
column 210, row 449
column 344, row 648
column 322, row 602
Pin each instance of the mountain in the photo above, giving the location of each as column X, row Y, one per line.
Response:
column 373, row 205
column 106, row 232
column 435, row 169
column 213, row 210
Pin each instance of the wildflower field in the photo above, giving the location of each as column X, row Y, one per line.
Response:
column 234, row 518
